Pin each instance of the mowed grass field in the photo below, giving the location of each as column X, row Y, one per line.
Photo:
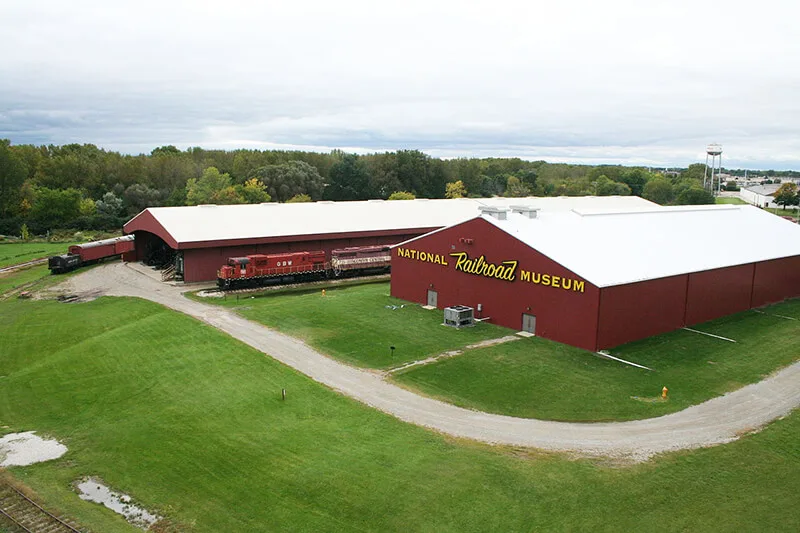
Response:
column 20, row 252
column 190, row 423
column 537, row 378
column 534, row 378
column 730, row 200
column 359, row 324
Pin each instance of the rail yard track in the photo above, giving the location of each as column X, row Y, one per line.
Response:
column 323, row 283
column 24, row 515
column 20, row 266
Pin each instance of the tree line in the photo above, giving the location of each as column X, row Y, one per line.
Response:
column 82, row 186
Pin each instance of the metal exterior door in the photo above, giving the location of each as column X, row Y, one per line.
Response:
column 433, row 297
column 529, row 323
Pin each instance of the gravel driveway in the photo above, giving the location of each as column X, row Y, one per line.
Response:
column 716, row 421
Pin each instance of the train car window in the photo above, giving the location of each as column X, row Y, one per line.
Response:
column 290, row 263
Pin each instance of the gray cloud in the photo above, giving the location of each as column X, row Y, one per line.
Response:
column 620, row 81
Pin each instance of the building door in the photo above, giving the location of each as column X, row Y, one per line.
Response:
column 529, row 323
column 433, row 297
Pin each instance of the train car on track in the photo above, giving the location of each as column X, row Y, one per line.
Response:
column 91, row 252
column 293, row 267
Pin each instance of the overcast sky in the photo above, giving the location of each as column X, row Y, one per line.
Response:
column 629, row 82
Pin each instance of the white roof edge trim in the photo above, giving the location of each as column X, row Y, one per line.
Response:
column 670, row 209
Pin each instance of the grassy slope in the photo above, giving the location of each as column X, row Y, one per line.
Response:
column 537, row 378
column 354, row 325
column 190, row 423
column 533, row 377
column 19, row 252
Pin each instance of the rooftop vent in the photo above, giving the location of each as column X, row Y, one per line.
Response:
column 525, row 210
column 500, row 213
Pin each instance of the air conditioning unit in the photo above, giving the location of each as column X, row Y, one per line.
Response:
column 459, row 316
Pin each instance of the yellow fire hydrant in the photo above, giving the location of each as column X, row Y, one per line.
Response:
column 323, row 292
column 664, row 392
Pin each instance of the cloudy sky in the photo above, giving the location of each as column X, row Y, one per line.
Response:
column 629, row 82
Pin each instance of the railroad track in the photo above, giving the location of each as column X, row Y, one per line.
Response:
column 321, row 283
column 28, row 516
column 26, row 264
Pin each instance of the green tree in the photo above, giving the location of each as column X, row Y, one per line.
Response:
column 254, row 192
column 299, row 199
column 109, row 205
column 455, row 189
column 659, row 190
column 12, row 175
column 210, row 184
column 695, row 196
column 786, row 195
column 139, row 196
column 87, row 207
column 290, row 179
column 695, row 171
column 349, row 179
column 515, row 188
column 604, row 186
column 635, row 178
column 54, row 208
column 401, row 195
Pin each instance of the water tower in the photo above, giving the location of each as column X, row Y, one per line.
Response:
column 715, row 151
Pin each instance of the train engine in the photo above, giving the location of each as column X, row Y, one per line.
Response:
column 261, row 269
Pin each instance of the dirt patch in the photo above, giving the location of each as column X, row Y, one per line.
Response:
column 23, row 449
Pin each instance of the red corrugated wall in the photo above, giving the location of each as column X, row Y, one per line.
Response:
column 776, row 280
column 638, row 310
column 562, row 315
column 719, row 292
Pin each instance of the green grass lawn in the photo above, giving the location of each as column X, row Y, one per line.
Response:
column 190, row 423
column 20, row 252
column 730, row 200
column 358, row 324
column 783, row 212
column 537, row 378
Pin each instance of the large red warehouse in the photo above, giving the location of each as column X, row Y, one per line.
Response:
column 198, row 240
column 597, row 278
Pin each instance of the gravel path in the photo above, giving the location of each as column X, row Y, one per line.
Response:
column 716, row 421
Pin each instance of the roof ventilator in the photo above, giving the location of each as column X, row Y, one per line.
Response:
column 526, row 210
column 500, row 213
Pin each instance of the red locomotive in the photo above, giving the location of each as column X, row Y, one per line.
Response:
column 289, row 267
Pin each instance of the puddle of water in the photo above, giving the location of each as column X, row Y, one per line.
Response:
column 22, row 449
column 94, row 490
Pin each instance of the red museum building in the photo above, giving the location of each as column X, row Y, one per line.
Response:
column 597, row 278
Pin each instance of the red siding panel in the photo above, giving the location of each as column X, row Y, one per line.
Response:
column 719, row 292
column 566, row 316
column 639, row 310
column 776, row 280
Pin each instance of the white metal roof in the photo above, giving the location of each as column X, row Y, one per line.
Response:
column 616, row 247
column 231, row 222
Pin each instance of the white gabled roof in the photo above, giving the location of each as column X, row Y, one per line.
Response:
column 617, row 247
column 231, row 222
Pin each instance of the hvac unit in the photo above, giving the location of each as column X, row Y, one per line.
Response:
column 459, row 316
